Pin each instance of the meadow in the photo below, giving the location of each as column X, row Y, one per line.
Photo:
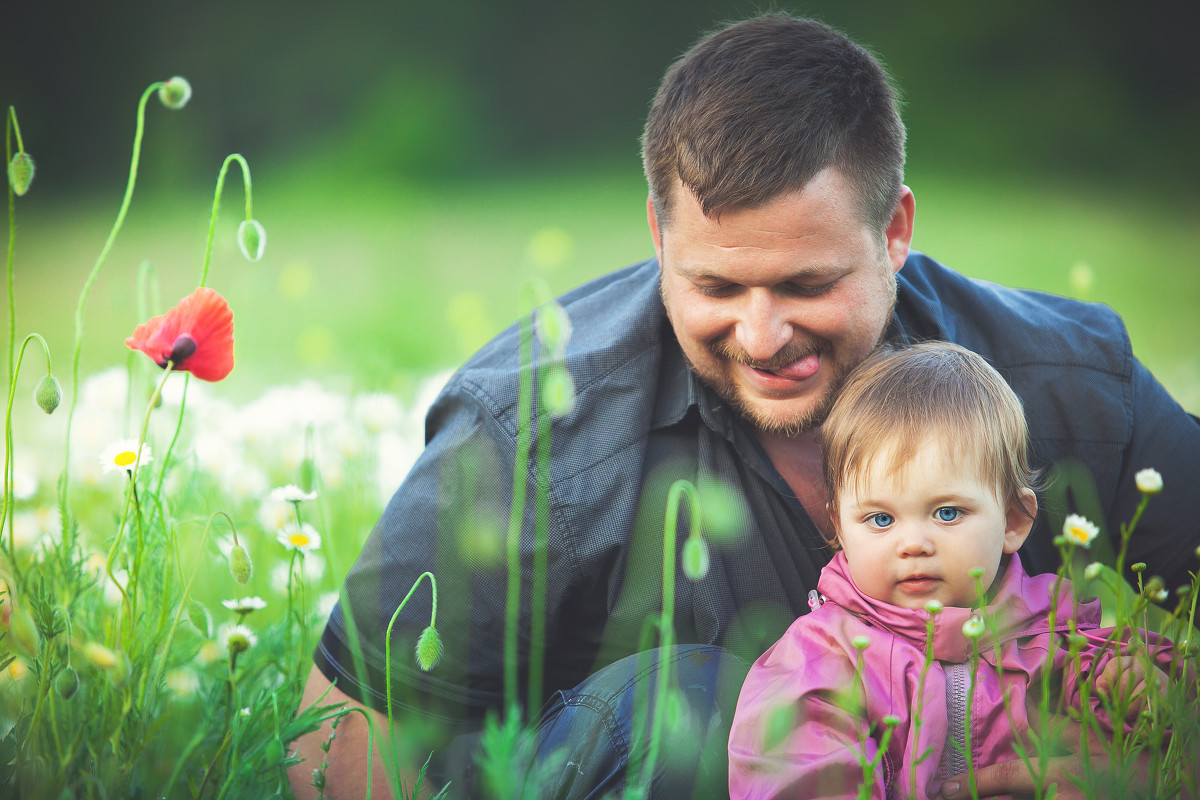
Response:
column 146, row 659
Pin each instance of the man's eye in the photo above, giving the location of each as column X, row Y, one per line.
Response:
column 801, row 290
column 722, row 290
column 947, row 514
column 881, row 520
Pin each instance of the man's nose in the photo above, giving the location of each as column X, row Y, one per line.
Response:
column 763, row 329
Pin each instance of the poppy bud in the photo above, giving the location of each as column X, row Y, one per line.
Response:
column 20, row 173
column 252, row 239
column 67, row 683
column 553, row 327
column 200, row 618
column 558, row 391
column 695, row 558
column 48, row 394
column 175, row 93
column 429, row 649
column 240, row 565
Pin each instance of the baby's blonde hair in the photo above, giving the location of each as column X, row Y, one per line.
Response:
column 898, row 399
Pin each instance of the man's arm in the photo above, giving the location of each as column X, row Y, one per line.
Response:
column 346, row 777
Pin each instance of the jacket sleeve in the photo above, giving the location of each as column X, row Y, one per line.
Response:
column 1102, row 646
column 796, row 731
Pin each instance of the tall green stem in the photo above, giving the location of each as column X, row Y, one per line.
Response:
column 517, row 511
column 6, row 513
column 541, row 535
column 387, row 654
column 83, row 295
column 679, row 490
column 212, row 224
column 127, row 601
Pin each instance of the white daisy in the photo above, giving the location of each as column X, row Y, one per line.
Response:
column 303, row 537
column 238, row 638
column 1149, row 481
column 1078, row 531
column 291, row 494
column 123, row 455
column 244, row 605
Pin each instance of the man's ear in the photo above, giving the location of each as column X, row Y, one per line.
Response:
column 655, row 233
column 1018, row 520
column 899, row 232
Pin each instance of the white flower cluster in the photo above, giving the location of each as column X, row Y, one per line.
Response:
column 242, row 450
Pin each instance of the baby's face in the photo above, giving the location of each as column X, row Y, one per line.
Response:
column 913, row 537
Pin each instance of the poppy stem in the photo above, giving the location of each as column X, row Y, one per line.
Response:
column 126, row 601
column 212, row 225
column 7, row 513
column 68, row 532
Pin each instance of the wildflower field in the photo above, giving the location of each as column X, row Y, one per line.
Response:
column 173, row 540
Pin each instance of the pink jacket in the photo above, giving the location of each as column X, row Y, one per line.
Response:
column 793, row 738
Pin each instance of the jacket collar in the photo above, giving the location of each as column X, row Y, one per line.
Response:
column 1020, row 607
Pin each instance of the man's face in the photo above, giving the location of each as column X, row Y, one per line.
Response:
column 773, row 306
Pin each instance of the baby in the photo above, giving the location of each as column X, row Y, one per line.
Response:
column 930, row 491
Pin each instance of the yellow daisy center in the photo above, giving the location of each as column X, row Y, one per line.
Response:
column 124, row 459
column 299, row 539
column 1078, row 534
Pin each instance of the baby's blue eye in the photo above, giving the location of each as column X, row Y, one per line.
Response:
column 882, row 520
column 947, row 514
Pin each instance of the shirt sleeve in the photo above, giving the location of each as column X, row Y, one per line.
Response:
column 1166, row 438
column 449, row 517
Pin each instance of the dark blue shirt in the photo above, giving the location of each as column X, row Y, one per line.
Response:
column 641, row 419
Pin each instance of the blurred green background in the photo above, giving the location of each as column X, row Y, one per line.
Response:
column 414, row 163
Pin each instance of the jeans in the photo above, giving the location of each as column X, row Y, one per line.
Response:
column 593, row 742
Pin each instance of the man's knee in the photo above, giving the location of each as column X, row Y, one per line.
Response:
column 650, row 722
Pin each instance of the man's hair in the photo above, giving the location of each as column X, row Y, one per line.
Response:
column 759, row 108
column 899, row 399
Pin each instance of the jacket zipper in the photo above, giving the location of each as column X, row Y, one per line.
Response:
column 954, row 761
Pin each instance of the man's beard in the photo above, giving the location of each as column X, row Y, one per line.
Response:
column 763, row 420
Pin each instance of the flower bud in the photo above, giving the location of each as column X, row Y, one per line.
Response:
column 1155, row 590
column 274, row 752
column 429, row 649
column 1092, row 570
column 558, row 391
column 860, row 642
column 553, row 328
column 934, row 607
column 1139, row 567
column 240, row 565
column 1149, row 481
column 695, row 558
column 200, row 618
column 100, row 656
column 973, row 628
column 20, row 173
column 175, row 93
column 67, row 683
column 891, row 720
column 24, row 633
column 975, row 572
column 48, row 394
column 252, row 239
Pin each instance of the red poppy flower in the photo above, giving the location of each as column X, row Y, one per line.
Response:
column 196, row 336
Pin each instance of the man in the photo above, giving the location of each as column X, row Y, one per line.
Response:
column 774, row 154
